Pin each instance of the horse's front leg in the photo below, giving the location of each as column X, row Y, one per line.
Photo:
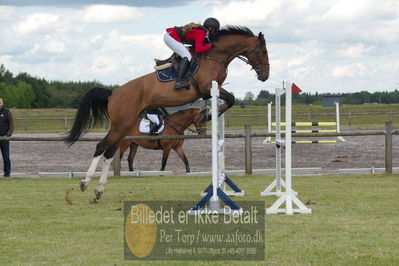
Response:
column 179, row 150
column 228, row 98
column 165, row 155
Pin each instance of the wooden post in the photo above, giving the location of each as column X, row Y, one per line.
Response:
column 65, row 122
column 248, row 149
column 117, row 163
column 388, row 147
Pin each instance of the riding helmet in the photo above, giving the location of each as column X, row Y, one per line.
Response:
column 212, row 22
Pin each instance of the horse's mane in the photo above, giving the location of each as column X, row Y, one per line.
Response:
column 191, row 109
column 232, row 30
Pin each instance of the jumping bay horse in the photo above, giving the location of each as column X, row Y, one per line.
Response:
column 123, row 105
column 175, row 124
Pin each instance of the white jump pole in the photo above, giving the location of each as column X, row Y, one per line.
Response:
column 214, row 93
column 269, row 118
column 278, row 182
column 288, row 197
column 337, row 119
column 215, row 191
column 268, row 140
column 224, row 182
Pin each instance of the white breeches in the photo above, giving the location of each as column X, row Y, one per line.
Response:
column 154, row 118
column 176, row 46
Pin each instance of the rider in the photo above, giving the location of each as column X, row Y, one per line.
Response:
column 153, row 115
column 194, row 34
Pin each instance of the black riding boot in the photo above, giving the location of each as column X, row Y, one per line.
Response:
column 181, row 81
column 153, row 128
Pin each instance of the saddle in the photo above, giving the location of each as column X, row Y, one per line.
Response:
column 166, row 63
column 146, row 124
column 166, row 69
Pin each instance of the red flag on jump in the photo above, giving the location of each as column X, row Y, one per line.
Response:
column 295, row 88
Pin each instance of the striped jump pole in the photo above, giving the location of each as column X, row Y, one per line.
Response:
column 335, row 124
column 311, row 142
column 308, row 124
column 214, row 193
column 288, row 197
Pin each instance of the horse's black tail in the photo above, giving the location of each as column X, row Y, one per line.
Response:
column 92, row 111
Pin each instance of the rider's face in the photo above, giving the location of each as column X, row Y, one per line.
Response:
column 210, row 30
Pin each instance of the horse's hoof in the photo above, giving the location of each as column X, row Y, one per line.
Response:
column 98, row 194
column 82, row 185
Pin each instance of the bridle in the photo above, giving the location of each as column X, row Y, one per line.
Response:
column 198, row 131
column 256, row 67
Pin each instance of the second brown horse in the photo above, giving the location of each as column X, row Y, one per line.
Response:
column 175, row 124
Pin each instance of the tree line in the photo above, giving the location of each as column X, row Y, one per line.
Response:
column 362, row 97
column 26, row 91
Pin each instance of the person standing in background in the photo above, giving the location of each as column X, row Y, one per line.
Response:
column 6, row 129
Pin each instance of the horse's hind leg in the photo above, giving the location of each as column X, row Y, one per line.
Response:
column 179, row 150
column 100, row 148
column 114, row 140
column 125, row 144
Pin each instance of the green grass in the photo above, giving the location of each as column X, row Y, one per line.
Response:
column 355, row 220
column 31, row 120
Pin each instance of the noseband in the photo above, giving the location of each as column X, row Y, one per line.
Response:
column 200, row 129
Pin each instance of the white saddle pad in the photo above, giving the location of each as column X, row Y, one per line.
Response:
column 145, row 127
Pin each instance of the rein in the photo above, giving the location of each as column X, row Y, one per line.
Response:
column 199, row 130
column 174, row 128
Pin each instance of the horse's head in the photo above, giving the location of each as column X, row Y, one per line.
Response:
column 240, row 42
column 200, row 119
column 258, row 57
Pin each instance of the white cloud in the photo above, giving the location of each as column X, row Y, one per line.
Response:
column 116, row 41
column 366, row 10
column 104, row 65
column 319, row 44
column 355, row 50
column 250, row 12
column 6, row 13
column 349, row 71
column 36, row 23
column 304, row 56
column 110, row 14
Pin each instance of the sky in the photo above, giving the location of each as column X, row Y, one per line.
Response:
column 322, row 45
